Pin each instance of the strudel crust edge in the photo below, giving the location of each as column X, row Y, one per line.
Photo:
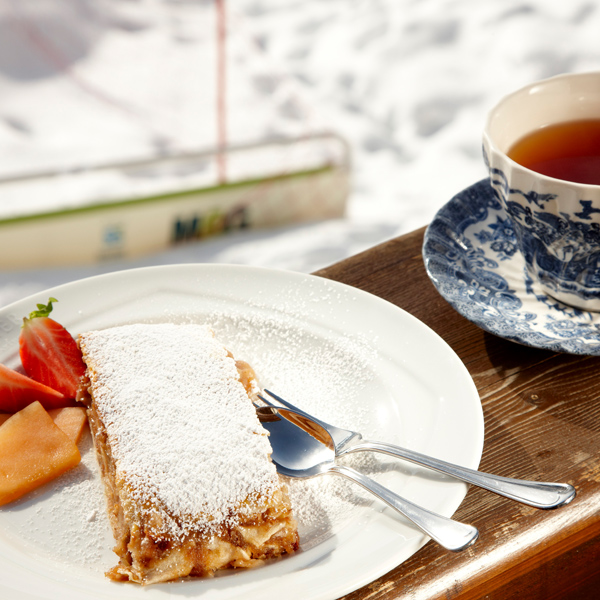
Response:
column 167, row 529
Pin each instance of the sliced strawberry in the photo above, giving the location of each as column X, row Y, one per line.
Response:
column 48, row 352
column 17, row 391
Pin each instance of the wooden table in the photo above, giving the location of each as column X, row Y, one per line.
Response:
column 542, row 422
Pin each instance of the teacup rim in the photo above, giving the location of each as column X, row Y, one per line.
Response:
column 514, row 165
column 493, row 146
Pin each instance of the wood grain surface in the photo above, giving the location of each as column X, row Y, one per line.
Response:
column 542, row 422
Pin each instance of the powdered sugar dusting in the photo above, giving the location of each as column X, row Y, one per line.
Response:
column 66, row 519
column 324, row 374
column 297, row 353
column 183, row 433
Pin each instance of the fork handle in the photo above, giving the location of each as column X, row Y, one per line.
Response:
column 534, row 493
column 452, row 535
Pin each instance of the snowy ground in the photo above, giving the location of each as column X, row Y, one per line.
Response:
column 406, row 82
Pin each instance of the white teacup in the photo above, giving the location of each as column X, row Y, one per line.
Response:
column 556, row 222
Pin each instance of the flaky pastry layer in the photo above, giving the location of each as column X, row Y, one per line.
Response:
column 262, row 526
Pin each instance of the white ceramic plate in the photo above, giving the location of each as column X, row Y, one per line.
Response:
column 346, row 355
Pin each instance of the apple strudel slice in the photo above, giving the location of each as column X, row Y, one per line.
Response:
column 185, row 462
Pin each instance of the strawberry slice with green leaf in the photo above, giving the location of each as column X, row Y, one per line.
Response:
column 17, row 391
column 49, row 354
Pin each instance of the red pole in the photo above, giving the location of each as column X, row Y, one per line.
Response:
column 221, row 91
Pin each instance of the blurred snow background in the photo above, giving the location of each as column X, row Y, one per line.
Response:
column 407, row 83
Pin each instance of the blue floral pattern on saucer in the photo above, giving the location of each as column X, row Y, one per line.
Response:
column 471, row 257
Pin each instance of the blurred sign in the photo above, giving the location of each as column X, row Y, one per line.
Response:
column 130, row 209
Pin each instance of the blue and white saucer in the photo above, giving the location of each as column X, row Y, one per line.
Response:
column 471, row 257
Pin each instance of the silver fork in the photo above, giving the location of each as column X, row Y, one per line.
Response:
column 533, row 493
column 302, row 449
